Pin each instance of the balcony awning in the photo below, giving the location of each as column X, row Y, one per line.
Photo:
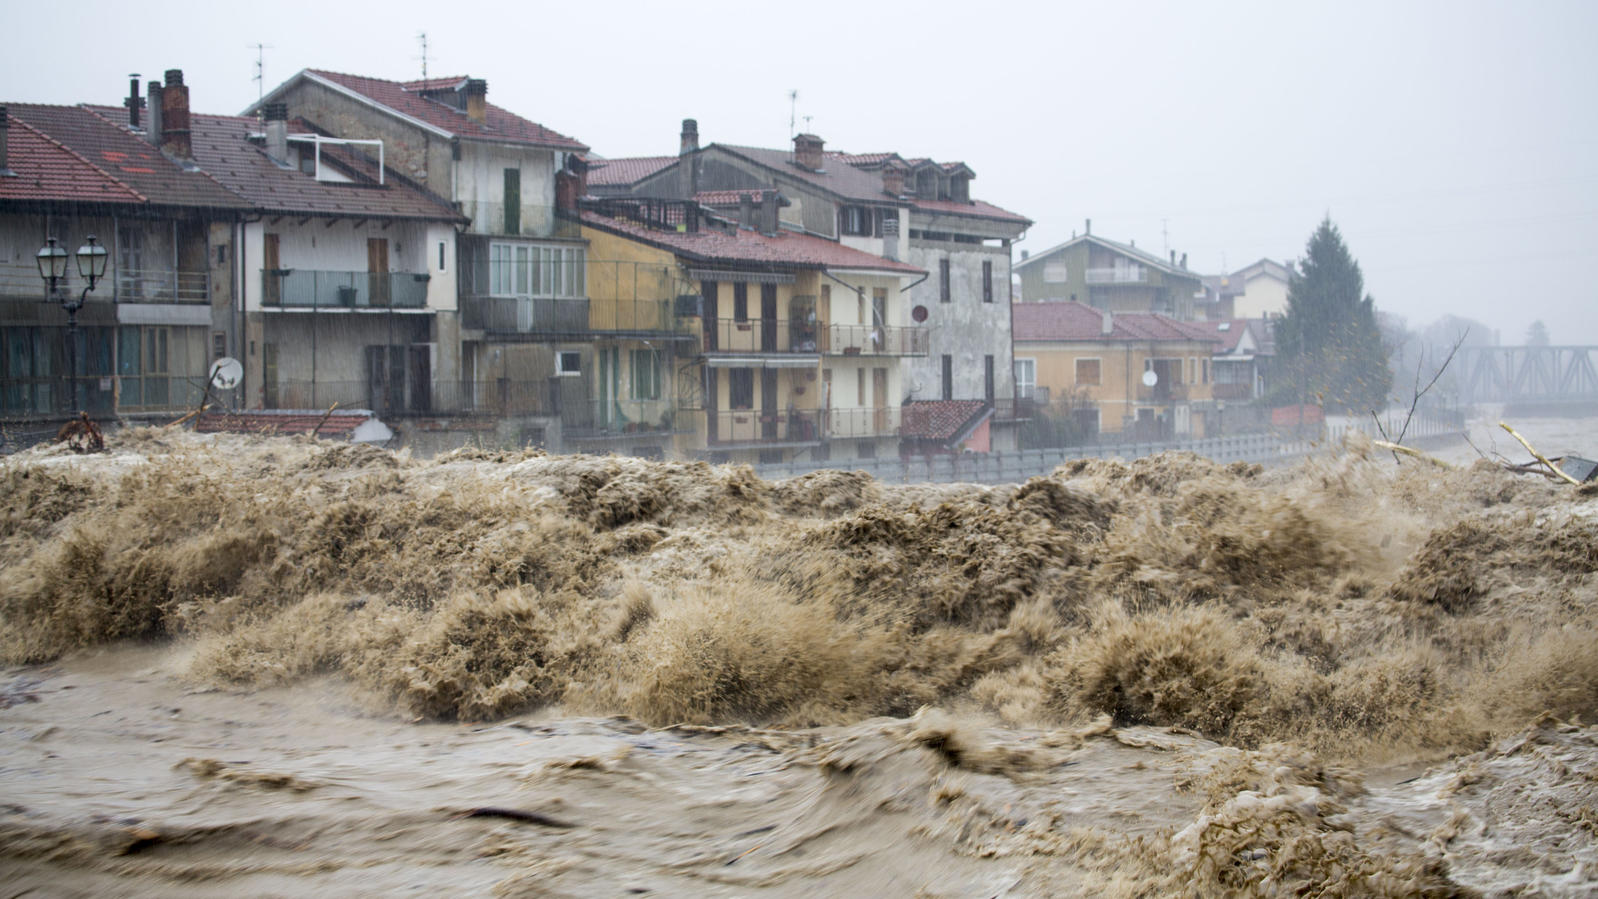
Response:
column 800, row 360
column 711, row 274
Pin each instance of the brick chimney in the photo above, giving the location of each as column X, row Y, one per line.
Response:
column 277, row 130
column 690, row 137
column 807, row 151
column 571, row 184
column 5, row 135
column 175, row 136
column 477, row 100
column 892, row 180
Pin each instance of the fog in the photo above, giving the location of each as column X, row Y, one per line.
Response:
column 1453, row 144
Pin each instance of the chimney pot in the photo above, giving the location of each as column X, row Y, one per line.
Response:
column 477, row 100
column 174, row 77
column 1089, row 227
column 690, row 136
column 134, row 102
column 152, row 131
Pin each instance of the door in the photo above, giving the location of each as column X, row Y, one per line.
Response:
column 879, row 318
column 768, row 318
column 377, row 271
column 712, row 405
column 824, row 319
column 879, row 399
column 768, row 401
column 421, row 379
column 712, row 324
column 269, row 376
column 272, row 282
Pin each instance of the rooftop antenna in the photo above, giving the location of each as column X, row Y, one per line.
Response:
column 422, row 37
column 793, row 104
column 1165, row 238
column 807, row 122
column 260, row 70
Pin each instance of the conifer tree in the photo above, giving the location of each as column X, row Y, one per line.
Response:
column 1328, row 345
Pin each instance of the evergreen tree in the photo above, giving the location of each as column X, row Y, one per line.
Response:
column 1328, row 345
column 1537, row 334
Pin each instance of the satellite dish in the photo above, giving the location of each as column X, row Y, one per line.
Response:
column 1150, row 378
column 226, row 373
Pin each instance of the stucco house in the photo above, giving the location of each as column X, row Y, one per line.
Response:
column 1107, row 274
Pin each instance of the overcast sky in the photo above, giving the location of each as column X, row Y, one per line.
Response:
column 1455, row 144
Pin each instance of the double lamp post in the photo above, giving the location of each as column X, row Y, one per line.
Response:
column 52, row 260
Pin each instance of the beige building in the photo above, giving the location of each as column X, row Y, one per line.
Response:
column 1140, row 375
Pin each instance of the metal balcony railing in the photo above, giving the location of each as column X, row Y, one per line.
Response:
column 1162, row 393
column 620, row 419
column 524, row 315
column 755, row 426
column 309, row 288
column 161, row 286
column 867, row 340
column 882, row 421
column 759, row 335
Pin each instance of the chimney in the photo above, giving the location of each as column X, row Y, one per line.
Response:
column 152, row 133
column 134, row 102
column 1089, row 229
column 690, row 137
column 892, row 180
column 1184, row 262
column 769, row 211
column 746, row 211
column 571, row 183
column 175, row 137
column 1107, row 323
column 5, row 134
column 277, row 130
column 1173, row 259
column 807, row 151
column 1024, row 255
column 477, row 100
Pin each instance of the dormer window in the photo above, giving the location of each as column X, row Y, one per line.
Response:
column 960, row 189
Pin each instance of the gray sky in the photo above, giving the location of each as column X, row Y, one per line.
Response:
column 1455, row 144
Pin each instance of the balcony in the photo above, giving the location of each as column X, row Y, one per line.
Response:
column 120, row 285
column 1232, row 391
column 755, row 427
column 866, row 340
column 759, row 335
column 299, row 288
column 1133, row 275
column 620, row 421
column 542, row 222
column 1162, row 393
column 870, row 422
column 525, row 315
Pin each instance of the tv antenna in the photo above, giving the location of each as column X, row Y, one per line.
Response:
column 793, row 105
column 1165, row 237
column 421, row 37
column 260, row 69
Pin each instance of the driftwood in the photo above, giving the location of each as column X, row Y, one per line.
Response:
column 317, row 431
column 1552, row 468
column 196, row 412
column 82, row 435
column 1415, row 453
column 515, row 814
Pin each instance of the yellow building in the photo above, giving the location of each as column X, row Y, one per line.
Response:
column 1140, row 375
column 785, row 343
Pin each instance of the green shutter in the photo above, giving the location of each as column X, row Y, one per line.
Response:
column 513, row 201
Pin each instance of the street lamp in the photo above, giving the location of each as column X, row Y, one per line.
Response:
column 92, row 259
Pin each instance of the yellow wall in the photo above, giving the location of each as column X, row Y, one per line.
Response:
column 1121, row 368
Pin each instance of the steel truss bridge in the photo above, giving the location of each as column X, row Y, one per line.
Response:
column 1543, row 375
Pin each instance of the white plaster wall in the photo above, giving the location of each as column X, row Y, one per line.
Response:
column 1262, row 296
column 341, row 247
column 480, row 185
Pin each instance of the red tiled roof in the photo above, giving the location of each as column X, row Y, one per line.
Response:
column 222, row 148
column 729, row 197
column 784, row 249
column 281, row 421
column 842, row 179
column 975, row 209
column 626, row 171
column 863, row 160
column 1228, row 336
column 406, row 98
column 942, row 420
column 127, row 157
column 48, row 170
column 1078, row 322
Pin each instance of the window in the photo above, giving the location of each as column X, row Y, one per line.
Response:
column 646, row 375
column 513, row 201
column 943, row 280
column 568, row 363
column 987, row 280
column 1087, row 372
column 218, row 344
column 987, row 378
column 130, row 261
column 948, row 377
column 1055, row 273
column 740, row 302
column 1192, row 370
column 523, row 270
column 1026, row 377
column 1206, row 371
column 741, row 388
column 860, row 388
column 441, row 266
column 855, row 220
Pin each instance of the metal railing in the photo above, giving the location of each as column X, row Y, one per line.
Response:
column 866, row 340
column 1232, row 391
column 620, row 419
column 1136, row 275
column 524, row 315
column 882, row 421
column 309, row 288
column 781, row 335
column 1162, row 393
column 488, row 217
column 150, row 285
column 755, row 426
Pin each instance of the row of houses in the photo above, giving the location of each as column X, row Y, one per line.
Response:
column 469, row 275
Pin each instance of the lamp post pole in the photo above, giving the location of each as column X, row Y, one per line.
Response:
column 92, row 258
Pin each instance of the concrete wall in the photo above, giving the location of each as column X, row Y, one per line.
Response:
column 417, row 153
column 965, row 328
column 480, row 187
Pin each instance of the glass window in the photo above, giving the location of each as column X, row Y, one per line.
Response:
column 522, row 288
column 646, row 375
column 1026, row 377
column 1087, row 371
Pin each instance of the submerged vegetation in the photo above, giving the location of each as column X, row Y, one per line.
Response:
column 1348, row 606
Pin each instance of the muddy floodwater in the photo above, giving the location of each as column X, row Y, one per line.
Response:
column 280, row 667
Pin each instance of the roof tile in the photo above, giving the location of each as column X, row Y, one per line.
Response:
column 743, row 246
column 406, row 98
column 47, row 170
column 1079, row 322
